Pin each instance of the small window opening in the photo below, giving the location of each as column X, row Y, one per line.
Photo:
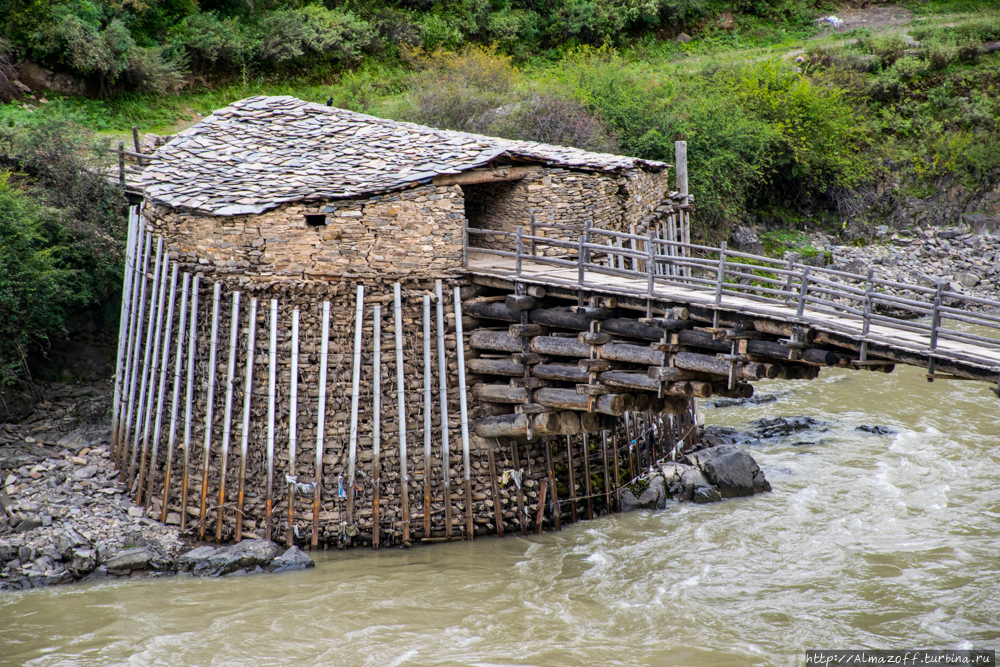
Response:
column 315, row 220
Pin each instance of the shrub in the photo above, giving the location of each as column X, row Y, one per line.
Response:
column 211, row 42
column 8, row 74
column 470, row 90
column 321, row 34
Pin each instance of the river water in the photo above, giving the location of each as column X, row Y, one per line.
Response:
column 867, row 541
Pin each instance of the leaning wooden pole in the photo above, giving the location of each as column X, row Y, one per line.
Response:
column 463, row 406
column 189, row 398
column 376, row 418
column 209, row 407
column 586, row 476
column 443, row 397
column 428, row 434
column 176, row 395
column 497, row 509
column 572, row 478
column 401, row 410
column 355, row 395
column 324, row 355
column 150, row 384
column 136, row 319
column 293, row 427
column 161, row 391
column 245, row 431
column 272, row 370
column 133, row 435
column 123, row 323
column 227, row 427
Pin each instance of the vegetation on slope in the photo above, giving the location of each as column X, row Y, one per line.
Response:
column 795, row 131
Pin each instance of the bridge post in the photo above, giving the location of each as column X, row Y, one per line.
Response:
column 935, row 323
column 579, row 257
column 720, row 278
column 518, row 251
column 465, row 243
column 121, row 163
column 803, row 291
column 866, row 318
column 533, row 249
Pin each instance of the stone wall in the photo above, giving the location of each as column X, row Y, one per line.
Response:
column 565, row 198
column 416, row 231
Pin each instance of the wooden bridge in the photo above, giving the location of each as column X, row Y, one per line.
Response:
column 744, row 307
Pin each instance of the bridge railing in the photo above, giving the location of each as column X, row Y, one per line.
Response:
column 933, row 314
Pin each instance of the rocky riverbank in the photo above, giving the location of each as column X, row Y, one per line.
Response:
column 65, row 517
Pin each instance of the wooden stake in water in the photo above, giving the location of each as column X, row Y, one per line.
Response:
column 443, row 397
column 155, row 316
column 428, row 434
column 572, row 477
column 189, row 397
column 376, row 418
column 607, row 479
column 247, row 395
column 271, row 397
column 552, row 483
column 134, row 435
column 209, row 406
column 497, row 509
column 164, row 370
column 234, row 332
column 355, row 395
column 586, row 476
column 293, row 426
column 463, row 406
column 401, row 411
column 522, row 515
column 175, row 403
column 324, row 355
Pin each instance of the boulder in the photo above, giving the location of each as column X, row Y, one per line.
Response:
column 733, row 472
column 706, row 494
column 293, row 559
column 691, row 479
column 249, row 554
column 84, row 560
column 28, row 524
column 967, row 279
column 702, row 456
column 128, row 560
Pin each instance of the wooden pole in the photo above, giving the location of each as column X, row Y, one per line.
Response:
column 293, row 426
column 618, row 477
column 607, row 478
column 234, row 332
column 460, row 348
column 443, row 396
column 123, row 322
column 541, row 507
column 151, row 377
column 552, row 483
column 248, row 365
column 521, row 514
column 376, row 418
column 209, row 406
column 134, row 435
column 164, row 369
column 497, row 509
column 175, row 403
column 586, row 476
column 428, row 434
column 324, row 355
column 355, row 395
column 189, row 397
column 572, row 477
column 272, row 377
column 138, row 300
column 401, row 411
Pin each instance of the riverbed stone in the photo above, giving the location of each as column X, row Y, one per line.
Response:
column 732, row 472
column 293, row 559
column 128, row 560
column 690, row 481
column 706, row 494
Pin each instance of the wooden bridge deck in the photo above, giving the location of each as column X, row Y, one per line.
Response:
column 981, row 356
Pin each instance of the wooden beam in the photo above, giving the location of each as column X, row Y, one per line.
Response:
column 481, row 176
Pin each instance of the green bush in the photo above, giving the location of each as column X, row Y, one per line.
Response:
column 316, row 33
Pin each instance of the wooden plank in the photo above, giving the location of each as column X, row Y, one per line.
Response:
column 443, row 399
column 234, row 330
column 293, row 427
column 209, row 406
column 248, row 365
column 401, row 412
column 376, row 420
column 427, row 416
column 359, row 305
column 189, row 397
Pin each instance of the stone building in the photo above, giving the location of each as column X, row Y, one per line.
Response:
column 273, row 200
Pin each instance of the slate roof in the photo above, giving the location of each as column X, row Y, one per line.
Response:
column 262, row 152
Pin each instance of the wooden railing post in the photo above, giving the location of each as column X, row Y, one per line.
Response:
column 586, row 238
column 121, row 163
column 518, row 250
column 650, row 265
column 803, row 291
column 721, row 277
column 533, row 234
column 935, row 323
column 579, row 254
column 866, row 317
column 465, row 242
